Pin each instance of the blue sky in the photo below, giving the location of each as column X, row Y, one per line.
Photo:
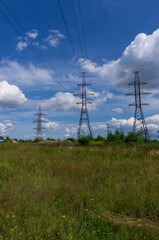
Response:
column 121, row 36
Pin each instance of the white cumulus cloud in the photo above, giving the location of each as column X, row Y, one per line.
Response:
column 142, row 54
column 10, row 96
column 68, row 102
column 61, row 101
column 51, row 126
column 5, row 129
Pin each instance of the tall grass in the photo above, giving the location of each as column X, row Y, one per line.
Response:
column 70, row 192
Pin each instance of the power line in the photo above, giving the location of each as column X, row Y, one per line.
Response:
column 23, row 30
column 79, row 6
column 24, row 39
column 17, row 31
column 50, row 28
column 76, row 24
column 68, row 33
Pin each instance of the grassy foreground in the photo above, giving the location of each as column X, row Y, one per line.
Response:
column 50, row 191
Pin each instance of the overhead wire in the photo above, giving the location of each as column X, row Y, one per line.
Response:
column 50, row 28
column 77, row 28
column 84, row 38
column 69, row 36
column 23, row 30
column 24, row 39
column 17, row 31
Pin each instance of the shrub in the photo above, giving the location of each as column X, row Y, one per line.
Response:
column 36, row 140
column 131, row 137
column 100, row 138
column 50, row 139
column 85, row 140
column 71, row 139
column 7, row 139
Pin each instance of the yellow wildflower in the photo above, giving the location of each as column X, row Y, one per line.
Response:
column 13, row 216
column 7, row 216
column 64, row 216
column 12, row 229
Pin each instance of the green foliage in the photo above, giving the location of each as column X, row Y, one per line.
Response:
column 71, row 139
column 85, row 140
column 36, row 140
column 131, row 137
column 50, row 139
column 100, row 138
column 7, row 139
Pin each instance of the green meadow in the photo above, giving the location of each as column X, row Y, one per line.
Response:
column 64, row 191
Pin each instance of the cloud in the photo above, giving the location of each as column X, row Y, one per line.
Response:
column 21, row 45
column 141, row 54
column 32, row 34
column 14, row 72
column 67, row 135
column 68, row 102
column 51, row 126
column 62, row 101
column 117, row 110
column 71, row 130
column 10, row 96
column 153, row 119
column 127, row 125
column 6, row 128
column 27, row 40
column 101, row 98
column 100, row 127
column 54, row 38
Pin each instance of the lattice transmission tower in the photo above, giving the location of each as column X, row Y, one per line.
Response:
column 84, row 118
column 39, row 122
column 139, row 126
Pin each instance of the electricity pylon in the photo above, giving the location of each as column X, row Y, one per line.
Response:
column 108, row 129
column 39, row 122
column 84, row 118
column 139, row 126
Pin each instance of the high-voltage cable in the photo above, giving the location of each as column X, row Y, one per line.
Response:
column 84, row 38
column 17, row 31
column 46, row 65
column 68, row 33
column 23, row 30
column 77, row 28
column 50, row 28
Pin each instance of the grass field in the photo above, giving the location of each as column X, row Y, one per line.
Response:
column 64, row 191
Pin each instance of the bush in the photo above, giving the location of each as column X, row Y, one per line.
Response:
column 110, row 137
column 131, row 137
column 85, row 140
column 7, row 139
column 71, row 139
column 50, row 139
column 100, row 138
column 36, row 140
